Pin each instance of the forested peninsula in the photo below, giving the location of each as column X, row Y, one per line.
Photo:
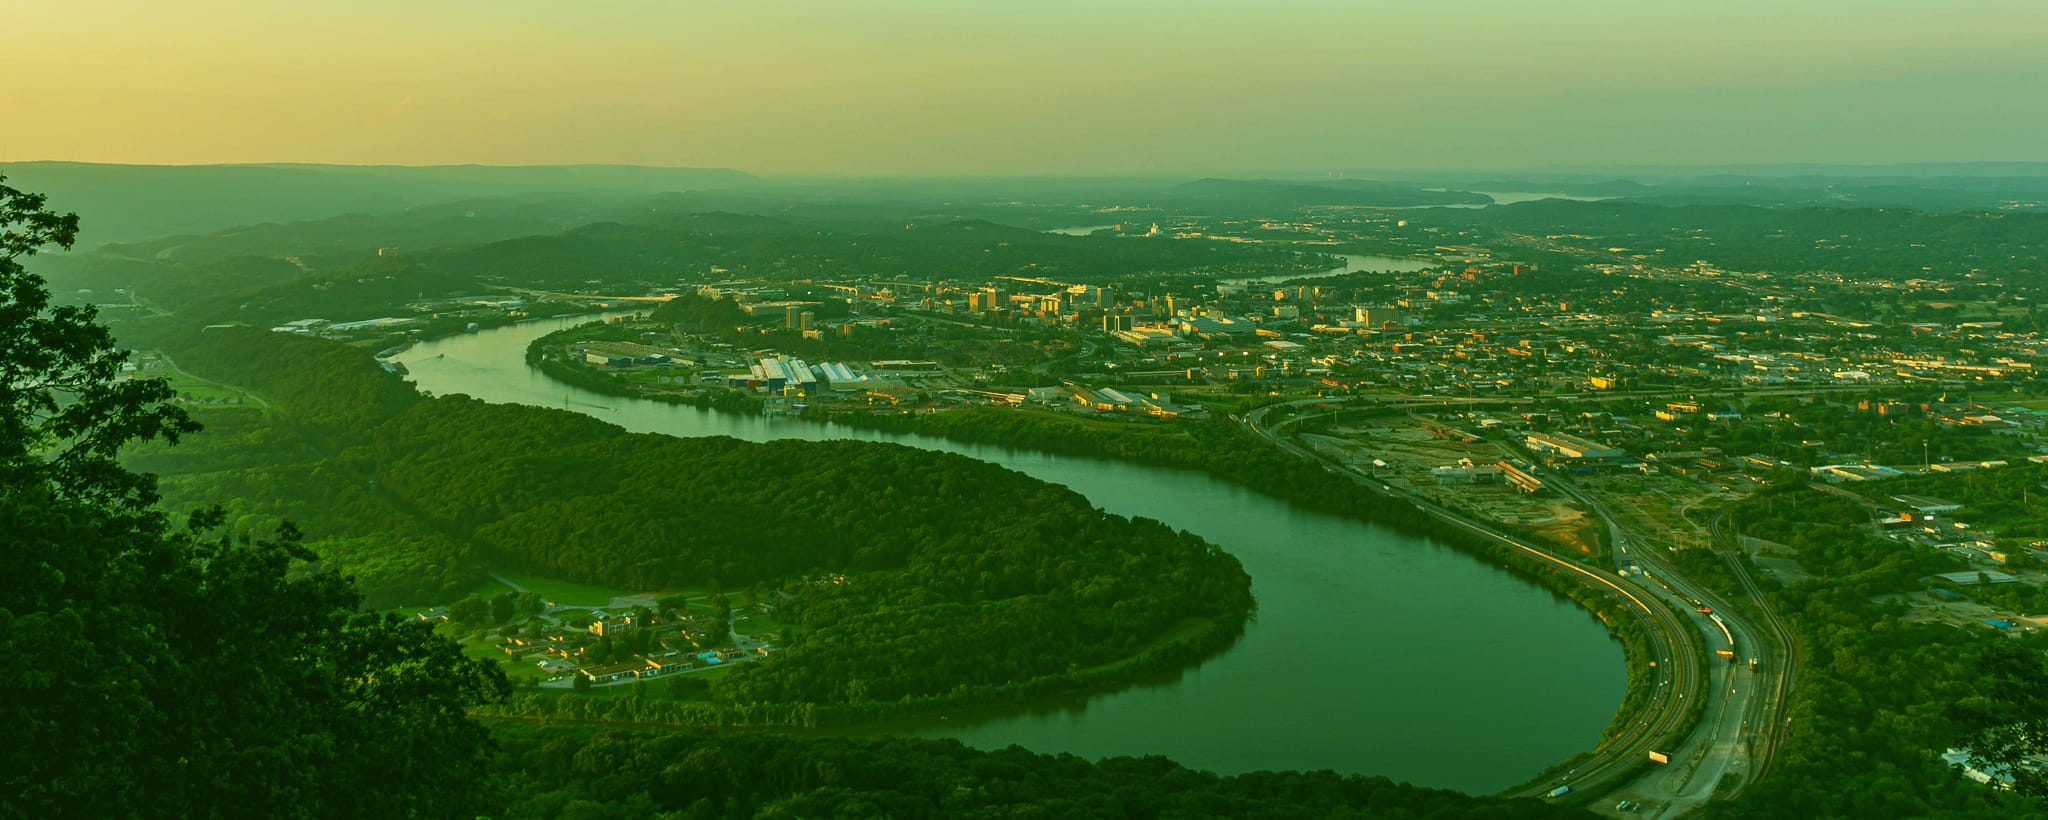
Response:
column 1218, row 447
column 981, row 583
column 217, row 666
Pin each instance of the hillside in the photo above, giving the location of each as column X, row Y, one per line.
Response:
column 132, row 202
column 982, row 582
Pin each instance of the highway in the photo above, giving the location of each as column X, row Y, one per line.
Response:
column 1678, row 650
column 1781, row 655
column 1746, row 713
column 1740, row 705
column 1741, row 712
column 1596, row 395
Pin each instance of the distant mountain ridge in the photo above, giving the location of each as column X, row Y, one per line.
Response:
column 131, row 202
column 1268, row 193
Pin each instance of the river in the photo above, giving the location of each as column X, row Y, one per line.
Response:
column 1372, row 651
column 1353, row 263
column 1079, row 230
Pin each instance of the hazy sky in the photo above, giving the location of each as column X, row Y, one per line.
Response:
column 1005, row 86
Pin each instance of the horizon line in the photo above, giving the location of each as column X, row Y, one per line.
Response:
column 1301, row 174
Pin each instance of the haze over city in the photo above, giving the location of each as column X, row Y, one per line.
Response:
column 633, row 409
column 929, row 87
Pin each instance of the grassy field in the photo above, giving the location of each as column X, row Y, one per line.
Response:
column 655, row 689
column 1091, row 423
column 519, row 671
column 757, row 624
column 191, row 386
column 568, row 593
column 198, row 390
column 490, row 588
column 713, row 673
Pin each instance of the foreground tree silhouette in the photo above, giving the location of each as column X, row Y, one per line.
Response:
column 153, row 670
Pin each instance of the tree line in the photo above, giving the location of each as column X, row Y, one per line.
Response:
column 970, row 574
column 1880, row 696
column 592, row 775
column 156, row 668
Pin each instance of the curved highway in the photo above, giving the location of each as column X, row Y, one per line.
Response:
column 1665, row 721
column 1309, row 571
column 1742, row 718
column 1721, row 742
column 1780, row 657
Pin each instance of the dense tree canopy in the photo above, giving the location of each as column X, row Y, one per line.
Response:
column 700, row 247
column 1879, row 695
column 979, row 579
column 153, row 671
column 1879, row 243
column 591, row 775
column 66, row 414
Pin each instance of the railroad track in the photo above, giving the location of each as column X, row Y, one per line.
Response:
column 1787, row 666
column 1666, row 721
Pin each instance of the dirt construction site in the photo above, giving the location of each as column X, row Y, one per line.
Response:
column 1668, row 509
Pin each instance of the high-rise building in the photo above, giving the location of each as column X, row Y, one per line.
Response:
column 1378, row 315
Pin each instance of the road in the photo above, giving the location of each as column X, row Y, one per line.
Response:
column 1745, row 716
column 1724, row 742
column 173, row 367
column 1087, row 350
column 744, row 643
column 1677, row 646
column 1781, row 654
column 1600, row 395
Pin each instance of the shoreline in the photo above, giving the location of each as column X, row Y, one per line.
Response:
column 1321, row 496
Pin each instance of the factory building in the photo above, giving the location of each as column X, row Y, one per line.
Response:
column 839, row 376
column 1572, row 447
column 778, row 374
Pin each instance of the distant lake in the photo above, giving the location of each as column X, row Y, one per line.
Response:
column 1353, row 262
column 1083, row 230
column 1372, row 651
column 1512, row 197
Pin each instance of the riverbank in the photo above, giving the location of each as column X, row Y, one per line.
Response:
column 1379, row 651
column 1223, row 450
column 1186, row 644
column 984, row 584
column 1217, row 448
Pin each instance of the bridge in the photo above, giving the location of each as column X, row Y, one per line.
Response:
column 586, row 297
